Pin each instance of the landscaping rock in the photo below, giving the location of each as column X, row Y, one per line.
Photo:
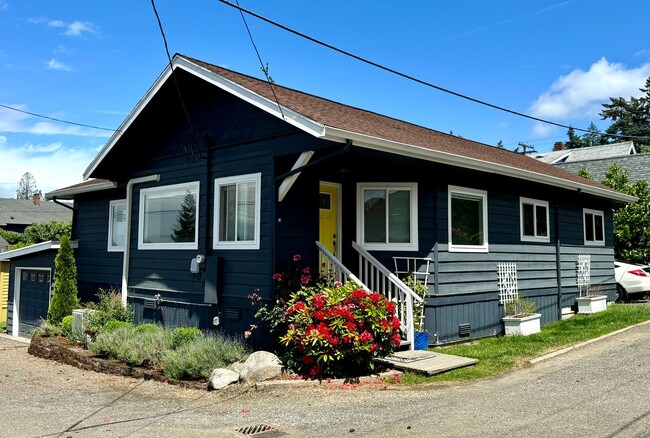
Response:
column 236, row 367
column 221, row 377
column 261, row 366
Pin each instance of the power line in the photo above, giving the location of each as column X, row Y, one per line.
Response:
column 409, row 77
column 171, row 67
column 264, row 69
column 54, row 119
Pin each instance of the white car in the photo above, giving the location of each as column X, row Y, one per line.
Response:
column 631, row 280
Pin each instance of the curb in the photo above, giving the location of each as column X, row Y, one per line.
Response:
column 582, row 344
column 15, row 338
column 331, row 382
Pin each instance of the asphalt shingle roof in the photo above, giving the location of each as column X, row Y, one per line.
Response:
column 25, row 212
column 583, row 154
column 637, row 166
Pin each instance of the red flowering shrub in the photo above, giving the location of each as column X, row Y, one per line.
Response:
column 336, row 332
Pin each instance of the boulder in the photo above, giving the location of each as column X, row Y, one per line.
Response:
column 221, row 377
column 236, row 367
column 260, row 366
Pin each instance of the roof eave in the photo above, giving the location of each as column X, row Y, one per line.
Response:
column 339, row 135
column 26, row 250
column 71, row 192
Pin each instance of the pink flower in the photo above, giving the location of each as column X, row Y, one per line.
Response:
column 338, row 284
column 297, row 258
column 306, row 270
column 277, row 277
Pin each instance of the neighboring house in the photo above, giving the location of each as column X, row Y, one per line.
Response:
column 560, row 155
column 4, row 245
column 18, row 214
column 189, row 218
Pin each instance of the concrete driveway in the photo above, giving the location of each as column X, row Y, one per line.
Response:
column 601, row 390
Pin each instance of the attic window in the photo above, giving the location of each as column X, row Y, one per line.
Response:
column 168, row 217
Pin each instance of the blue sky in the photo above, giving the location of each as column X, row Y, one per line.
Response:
column 91, row 62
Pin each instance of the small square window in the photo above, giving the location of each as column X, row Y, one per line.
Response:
column 237, row 212
column 534, row 220
column 594, row 225
column 467, row 220
column 168, row 217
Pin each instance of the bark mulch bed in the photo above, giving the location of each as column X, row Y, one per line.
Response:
column 59, row 349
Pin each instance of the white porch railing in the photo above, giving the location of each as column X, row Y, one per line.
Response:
column 380, row 279
column 333, row 266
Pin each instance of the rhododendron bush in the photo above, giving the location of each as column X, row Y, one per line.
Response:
column 337, row 331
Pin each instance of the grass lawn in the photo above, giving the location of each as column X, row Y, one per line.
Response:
column 500, row 354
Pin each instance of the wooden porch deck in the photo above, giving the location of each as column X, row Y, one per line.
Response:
column 426, row 362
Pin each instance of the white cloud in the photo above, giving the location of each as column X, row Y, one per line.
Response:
column 74, row 29
column 53, row 165
column 17, row 122
column 53, row 64
column 63, row 50
column 580, row 94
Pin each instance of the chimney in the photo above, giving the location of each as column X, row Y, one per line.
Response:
column 37, row 198
column 558, row 146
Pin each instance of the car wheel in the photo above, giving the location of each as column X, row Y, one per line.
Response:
column 621, row 294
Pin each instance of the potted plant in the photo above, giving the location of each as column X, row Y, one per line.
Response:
column 594, row 300
column 420, row 337
column 521, row 318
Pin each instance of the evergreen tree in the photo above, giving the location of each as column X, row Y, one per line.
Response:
column 629, row 117
column 27, row 187
column 594, row 137
column 574, row 141
column 185, row 231
column 64, row 299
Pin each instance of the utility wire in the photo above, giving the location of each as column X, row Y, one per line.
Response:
column 409, row 77
column 264, row 69
column 55, row 119
column 171, row 67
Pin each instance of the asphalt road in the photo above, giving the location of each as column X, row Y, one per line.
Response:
column 600, row 390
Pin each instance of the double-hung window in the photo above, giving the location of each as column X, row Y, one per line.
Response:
column 237, row 212
column 117, row 225
column 534, row 220
column 388, row 216
column 169, row 217
column 594, row 225
column 468, row 229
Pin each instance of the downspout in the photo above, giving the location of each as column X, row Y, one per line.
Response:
column 57, row 202
column 127, row 237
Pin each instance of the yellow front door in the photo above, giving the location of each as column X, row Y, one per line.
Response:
column 329, row 217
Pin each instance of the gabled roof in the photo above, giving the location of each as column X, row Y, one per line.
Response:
column 3, row 244
column 91, row 185
column 333, row 121
column 637, row 166
column 25, row 212
column 31, row 249
column 622, row 149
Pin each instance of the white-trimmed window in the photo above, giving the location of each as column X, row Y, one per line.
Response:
column 237, row 212
column 534, row 220
column 116, row 225
column 468, row 230
column 594, row 224
column 168, row 217
column 387, row 216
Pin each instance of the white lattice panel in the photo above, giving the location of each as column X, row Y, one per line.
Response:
column 584, row 273
column 508, row 289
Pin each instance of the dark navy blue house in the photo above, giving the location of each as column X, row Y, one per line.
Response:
column 189, row 213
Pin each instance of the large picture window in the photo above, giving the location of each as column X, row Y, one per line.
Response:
column 534, row 220
column 169, row 217
column 467, row 220
column 388, row 216
column 237, row 212
column 594, row 224
column 117, row 225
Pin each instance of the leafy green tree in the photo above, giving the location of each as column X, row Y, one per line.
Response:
column 27, row 187
column 53, row 230
column 65, row 298
column 631, row 222
column 585, row 174
column 629, row 117
column 185, row 232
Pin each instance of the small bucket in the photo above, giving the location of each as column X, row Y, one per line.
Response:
column 421, row 341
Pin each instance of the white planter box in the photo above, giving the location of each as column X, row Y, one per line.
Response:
column 523, row 326
column 592, row 304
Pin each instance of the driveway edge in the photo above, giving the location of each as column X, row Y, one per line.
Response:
column 582, row 344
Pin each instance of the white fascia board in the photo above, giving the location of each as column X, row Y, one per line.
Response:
column 26, row 250
column 270, row 106
column 339, row 135
column 560, row 158
column 70, row 193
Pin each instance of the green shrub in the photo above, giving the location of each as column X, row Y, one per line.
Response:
column 129, row 346
column 148, row 328
column 183, row 335
column 108, row 308
column 66, row 326
column 43, row 232
column 11, row 237
column 114, row 324
column 47, row 329
column 64, row 299
column 197, row 358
